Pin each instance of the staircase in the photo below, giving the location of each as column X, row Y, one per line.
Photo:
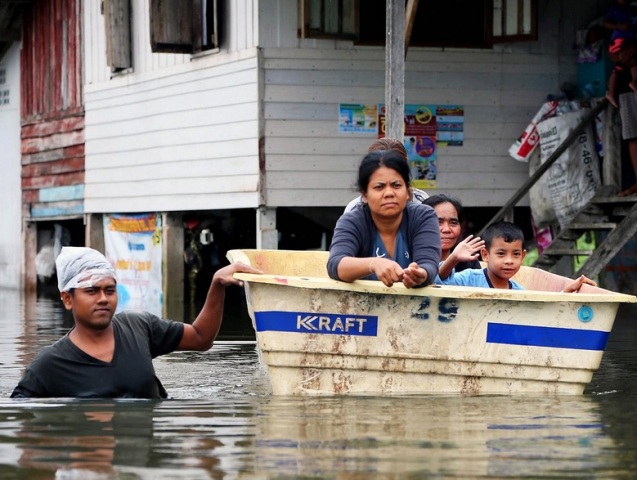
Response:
column 613, row 219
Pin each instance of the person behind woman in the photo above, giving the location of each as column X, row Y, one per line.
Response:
column 388, row 238
column 418, row 196
column 455, row 255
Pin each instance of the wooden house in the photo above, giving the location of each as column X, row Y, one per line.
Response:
column 223, row 115
column 10, row 213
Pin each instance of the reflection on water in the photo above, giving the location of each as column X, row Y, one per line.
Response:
column 221, row 422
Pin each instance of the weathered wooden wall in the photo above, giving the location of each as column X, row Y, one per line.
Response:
column 309, row 163
column 52, row 134
column 177, row 132
column 10, row 213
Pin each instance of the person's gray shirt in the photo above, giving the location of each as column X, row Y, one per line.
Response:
column 355, row 235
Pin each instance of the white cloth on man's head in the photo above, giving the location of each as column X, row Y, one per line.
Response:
column 81, row 267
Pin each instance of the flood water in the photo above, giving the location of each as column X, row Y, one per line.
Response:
column 221, row 422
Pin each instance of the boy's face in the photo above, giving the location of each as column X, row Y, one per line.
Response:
column 503, row 259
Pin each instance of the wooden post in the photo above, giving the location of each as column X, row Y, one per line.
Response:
column 412, row 7
column 267, row 235
column 173, row 272
column 30, row 250
column 94, row 231
column 395, row 69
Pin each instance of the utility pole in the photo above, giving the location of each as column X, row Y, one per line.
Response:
column 395, row 70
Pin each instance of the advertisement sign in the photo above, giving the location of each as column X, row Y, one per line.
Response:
column 133, row 246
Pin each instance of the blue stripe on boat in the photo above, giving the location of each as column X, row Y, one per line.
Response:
column 324, row 323
column 546, row 336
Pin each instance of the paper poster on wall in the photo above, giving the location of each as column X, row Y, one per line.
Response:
column 133, row 246
column 420, row 142
column 450, row 125
column 357, row 118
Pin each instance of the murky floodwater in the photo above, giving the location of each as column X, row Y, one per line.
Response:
column 221, row 422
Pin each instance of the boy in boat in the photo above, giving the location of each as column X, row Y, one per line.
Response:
column 503, row 252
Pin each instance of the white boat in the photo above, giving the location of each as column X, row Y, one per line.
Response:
column 318, row 336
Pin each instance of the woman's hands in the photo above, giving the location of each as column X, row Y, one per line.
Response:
column 389, row 272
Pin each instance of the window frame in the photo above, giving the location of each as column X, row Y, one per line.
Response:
column 492, row 38
column 177, row 26
column 305, row 12
column 489, row 40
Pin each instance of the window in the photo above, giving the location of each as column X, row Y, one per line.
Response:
column 451, row 23
column 329, row 18
column 183, row 26
column 118, row 34
column 514, row 20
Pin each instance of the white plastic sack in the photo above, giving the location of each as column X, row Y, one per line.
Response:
column 539, row 196
column 574, row 178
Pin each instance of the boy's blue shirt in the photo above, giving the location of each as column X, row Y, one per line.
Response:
column 471, row 278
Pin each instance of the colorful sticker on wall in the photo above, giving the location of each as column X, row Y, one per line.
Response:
column 450, row 125
column 357, row 118
column 420, row 142
column 133, row 246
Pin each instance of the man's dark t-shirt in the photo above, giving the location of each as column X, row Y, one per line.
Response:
column 63, row 370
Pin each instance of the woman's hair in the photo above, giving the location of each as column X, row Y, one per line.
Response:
column 434, row 200
column 388, row 144
column 382, row 158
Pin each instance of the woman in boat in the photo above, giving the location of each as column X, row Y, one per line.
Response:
column 455, row 255
column 386, row 237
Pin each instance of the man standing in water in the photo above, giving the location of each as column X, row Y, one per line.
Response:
column 108, row 355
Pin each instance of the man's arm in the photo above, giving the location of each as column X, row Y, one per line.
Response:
column 203, row 331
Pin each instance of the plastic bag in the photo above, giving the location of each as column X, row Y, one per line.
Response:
column 574, row 178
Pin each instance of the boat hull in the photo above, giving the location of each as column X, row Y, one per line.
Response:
column 321, row 337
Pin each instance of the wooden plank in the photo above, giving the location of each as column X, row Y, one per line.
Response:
column 610, row 246
column 58, row 194
column 428, row 55
column 539, row 82
column 66, row 153
column 52, row 142
column 338, row 164
column 206, row 73
column 324, row 128
column 410, row 18
column 206, row 168
column 64, row 165
column 53, row 180
column 172, row 187
column 566, row 251
column 238, row 96
column 53, row 126
column 174, row 203
column 191, row 118
column 57, row 209
column 230, row 150
column 352, row 94
column 166, row 137
column 450, row 63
